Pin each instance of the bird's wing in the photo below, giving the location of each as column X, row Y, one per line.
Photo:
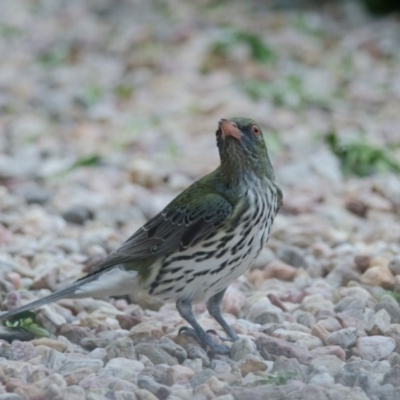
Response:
column 180, row 225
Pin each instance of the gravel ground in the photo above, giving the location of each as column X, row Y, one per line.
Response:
column 108, row 110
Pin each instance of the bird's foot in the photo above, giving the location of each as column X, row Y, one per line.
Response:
column 206, row 340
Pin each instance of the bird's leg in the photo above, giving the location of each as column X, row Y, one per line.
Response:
column 184, row 308
column 214, row 308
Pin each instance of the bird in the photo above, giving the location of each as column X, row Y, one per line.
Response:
column 204, row 239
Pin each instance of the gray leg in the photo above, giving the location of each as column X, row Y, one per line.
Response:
column 185, row 310
column 214, row 308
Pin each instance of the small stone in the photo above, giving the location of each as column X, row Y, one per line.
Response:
column 74, row 377
column 387, row 392
column 73, row 392
column 367, row 382
column 90, row 343
column 332, row 363
column 330, row 324
column 391, row 307
column 123, row 368
column 279, row 270
column 47, row 342
column 75, row 333
column 215, row 384
column 292, row 255
column 173, row 349
column 343, row 338
column 305, row 318
column 143, row 394
column 22, row 351
column 243, row 347
column 13, row 396
column 195, row 351
column 263, row 312
column 51, row 358
column 195, row 365
column 351, row 307
column 73, row 364
column 252, row 365
column 145, row 330
column 127, row 321
column 201, row 377
column 375, row 347
column 159, row 390
column 394, row 359
column 121, row 347
column 56, row 379
column 379, row 323
column 394, row 265
column 301, row 338
column 178, row 374
column 392, row 377
column 378, row 276
column 155, row 353
column 283, row 364
column 319, row 331
column 362, row 262
column 336, row 351
column 78, row 215
column 36, row 195
column 270, row 347
column 203, row 391
column 223, row 397
column 347, row 375
column 233, row 301
column 321, row 377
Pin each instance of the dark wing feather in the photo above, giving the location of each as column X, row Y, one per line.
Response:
column 176, row 227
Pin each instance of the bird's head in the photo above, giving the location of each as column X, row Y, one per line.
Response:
column 242, row 148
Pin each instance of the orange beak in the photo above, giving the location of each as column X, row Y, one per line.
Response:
column 229, row 128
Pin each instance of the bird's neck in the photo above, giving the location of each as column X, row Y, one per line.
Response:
column 245, row 173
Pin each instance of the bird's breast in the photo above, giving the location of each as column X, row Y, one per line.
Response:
column 212, row 264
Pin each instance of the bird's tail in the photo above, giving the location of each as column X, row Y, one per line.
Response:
column 101, row 283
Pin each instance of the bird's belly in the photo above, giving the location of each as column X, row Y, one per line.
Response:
column 197, row 274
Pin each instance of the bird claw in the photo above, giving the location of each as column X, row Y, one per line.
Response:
column 209, row 342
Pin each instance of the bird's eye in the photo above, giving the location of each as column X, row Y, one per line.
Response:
column 256, row 130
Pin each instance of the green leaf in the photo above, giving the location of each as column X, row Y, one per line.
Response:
column 26, row 321
column 360, row 158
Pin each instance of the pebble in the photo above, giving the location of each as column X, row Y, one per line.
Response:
column 321, row 377
column 373, row 348
column 332, row 363
column 394, row 265
column 378, row 276
column 123, row 368
column 73, row 364
column 343, row 338
column 155, row 353
column 379, row 323
column 272, row 347
column 242, row 348
column 178, row 374
column 78, row 215
column 121, row 347
column 252, row 365
column 391, row 307
column 201, row 377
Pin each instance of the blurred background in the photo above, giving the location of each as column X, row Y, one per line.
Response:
column 108, row 109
